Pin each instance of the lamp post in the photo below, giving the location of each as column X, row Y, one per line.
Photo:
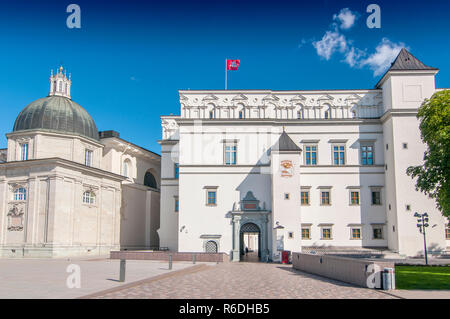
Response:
column 422, row 224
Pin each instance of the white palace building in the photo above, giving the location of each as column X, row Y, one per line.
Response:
column 299, row 170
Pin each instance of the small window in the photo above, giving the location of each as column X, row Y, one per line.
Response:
column 447, row 232
column 405, row 146
column 211, row 115
column 387, row 147
column 376, row 198
column 389, row 206
column 177, row 170
column 291, row 235
column 356, row 233
column 338, row 154
column 286, row 196
column 326, row 233
column 306, row 233
column 211, row 198
column 177, row 205
column 230, row 150
column 24, row 151
column 408, row 207
column 241, row 115
column 326, row 115
column 377, row 233
column 304, row 195
column 20, row 194
column 354, row 198
column 299, row 115
column 325, row 198
column 211, row 247
column 88, row 157
column 88, row 197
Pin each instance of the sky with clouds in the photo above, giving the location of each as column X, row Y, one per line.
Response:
column 129, row 58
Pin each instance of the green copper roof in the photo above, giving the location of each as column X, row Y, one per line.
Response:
column 57, row 114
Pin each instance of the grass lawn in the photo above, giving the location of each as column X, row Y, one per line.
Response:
column 422, row 277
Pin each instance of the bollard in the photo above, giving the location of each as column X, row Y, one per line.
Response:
column 170, row 262
column 388, row 277
column 122, row 270
column 193, row 259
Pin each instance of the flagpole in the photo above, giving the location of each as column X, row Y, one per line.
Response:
column 225, row 74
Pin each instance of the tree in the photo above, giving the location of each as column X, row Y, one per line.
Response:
column 433, row 177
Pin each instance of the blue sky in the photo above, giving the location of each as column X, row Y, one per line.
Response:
column 130, row 58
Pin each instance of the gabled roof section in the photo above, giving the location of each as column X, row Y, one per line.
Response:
column 406, row 61
column 285, row 144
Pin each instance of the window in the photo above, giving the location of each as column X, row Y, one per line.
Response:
column 24, row 151
column 88, row 157
column 354, row 198
column 405, row 145
column 327, row 116
column 290, row 235
column 310, row 154
column 304, row 195
column 20, row 194
column 177, row 170
column 241, row 114
column 211, row 247
column 126, row 168
column 306, row 233
column 89, row 197
column 150, row 181
column 326, row 233
column 339, row 154
column 325, row 198
column 378, row 232
column 230, row 153
column 177, row 205
column 211, row 197
column 447, row 232
column 408, row 207
column 356, row 233
column 376, row 198
column 299, row 115
column 286, row 196
column 211, row 115
column 367, row 155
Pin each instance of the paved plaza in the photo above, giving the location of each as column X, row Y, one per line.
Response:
column 46, row 278
column 244, row 280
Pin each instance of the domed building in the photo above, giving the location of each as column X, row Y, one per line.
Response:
column 67, row 189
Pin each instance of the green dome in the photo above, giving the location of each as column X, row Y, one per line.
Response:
column 57, row 114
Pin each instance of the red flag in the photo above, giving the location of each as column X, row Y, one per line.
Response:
column 233, row 65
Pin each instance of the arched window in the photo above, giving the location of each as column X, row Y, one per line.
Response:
column 60, row 86
column 126, row 168
column 149, row 180
column 20, row 194
column 211, row 247
column 89, row 197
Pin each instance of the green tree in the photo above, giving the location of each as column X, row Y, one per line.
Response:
column 433, row 177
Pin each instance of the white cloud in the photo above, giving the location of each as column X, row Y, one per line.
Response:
column 384, row 55
column 353, row 56
column 346, row 18
column 331, row 42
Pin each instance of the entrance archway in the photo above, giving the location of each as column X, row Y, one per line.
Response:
column 250, row 242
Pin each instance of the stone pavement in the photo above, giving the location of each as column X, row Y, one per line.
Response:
column 421, row 294
column 46, row 278
column 244, row 280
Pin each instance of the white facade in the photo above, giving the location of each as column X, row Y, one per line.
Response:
column 235, row 171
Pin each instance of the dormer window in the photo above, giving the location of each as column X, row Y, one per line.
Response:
column 88, row 157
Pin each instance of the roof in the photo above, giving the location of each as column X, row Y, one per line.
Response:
column 285, row 144
column 57, row 114
column 405, row 61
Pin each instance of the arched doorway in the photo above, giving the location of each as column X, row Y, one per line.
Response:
column 250, row 242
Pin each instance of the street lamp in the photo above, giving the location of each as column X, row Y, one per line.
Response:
column 422, row 224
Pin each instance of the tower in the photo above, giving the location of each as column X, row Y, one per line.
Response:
column 60, row 83
column 406, row 84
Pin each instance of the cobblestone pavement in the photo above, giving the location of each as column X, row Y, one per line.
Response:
column 244, row 280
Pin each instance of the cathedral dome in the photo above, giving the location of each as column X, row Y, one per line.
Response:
column 57, row 112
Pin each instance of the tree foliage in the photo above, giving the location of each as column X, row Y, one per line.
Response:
column 433, row 177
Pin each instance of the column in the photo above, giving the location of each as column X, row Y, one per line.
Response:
column 236, row 237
